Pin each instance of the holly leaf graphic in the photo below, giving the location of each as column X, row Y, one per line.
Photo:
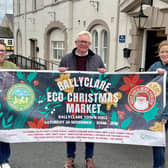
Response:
column 6, row 125
column 10, row 119
column 114, row 121
column 114, row 116
column 1, row 114
column 20, row 75
column 101, row 113
column 151, row 114
column 126, row 123
column 31, row 76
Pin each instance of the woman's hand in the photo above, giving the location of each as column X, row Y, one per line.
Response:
column 62, row 69
column 161, row 71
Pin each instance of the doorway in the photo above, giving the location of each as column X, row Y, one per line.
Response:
column 33, row 52
column 154, row 37
column 33, row 45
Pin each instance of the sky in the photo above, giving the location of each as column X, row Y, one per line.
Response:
column 6, row 6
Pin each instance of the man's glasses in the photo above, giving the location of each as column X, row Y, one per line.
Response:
column 83, row 42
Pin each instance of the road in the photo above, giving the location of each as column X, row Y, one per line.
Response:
column 52, row 155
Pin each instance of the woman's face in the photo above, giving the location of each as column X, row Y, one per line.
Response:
column 163, row 53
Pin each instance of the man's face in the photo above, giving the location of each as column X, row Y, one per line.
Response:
column 83, row 43
column 2, row 53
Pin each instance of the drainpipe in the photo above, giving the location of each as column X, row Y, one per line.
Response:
column 144, row 50
column 70, row 27
column 14, row 27
column 25, row 20
column 117, row 32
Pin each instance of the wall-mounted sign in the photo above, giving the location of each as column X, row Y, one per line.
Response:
column 122, row 38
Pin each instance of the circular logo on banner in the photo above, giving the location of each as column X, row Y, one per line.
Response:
column 20, row 97
column 141, row 98
column 155, row 87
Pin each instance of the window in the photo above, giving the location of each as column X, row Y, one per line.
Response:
column 100, row 41
column 34, row 4
column 104, row 45
column 57, row 48
column 1, row 41
column 9, row 42
column 95, row 41
column 57, row 44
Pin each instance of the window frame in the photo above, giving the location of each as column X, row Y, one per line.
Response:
column 10, row 42
column 104, row 45
column 57, row 48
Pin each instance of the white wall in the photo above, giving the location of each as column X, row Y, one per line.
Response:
column 159, row 4
column 73, row 15
column 124, row 29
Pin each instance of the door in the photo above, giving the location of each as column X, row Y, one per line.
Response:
column 33, row 52
column 153, row 40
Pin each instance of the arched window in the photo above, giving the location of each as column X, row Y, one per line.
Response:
column 100, row 41
column 104, row 45
column 95, row 41
column 56, row 44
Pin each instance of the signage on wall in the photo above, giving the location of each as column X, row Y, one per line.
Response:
column 122, row 38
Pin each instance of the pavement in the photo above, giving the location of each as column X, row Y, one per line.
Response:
column 52, row 155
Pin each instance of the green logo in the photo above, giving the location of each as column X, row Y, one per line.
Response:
column 20, row 97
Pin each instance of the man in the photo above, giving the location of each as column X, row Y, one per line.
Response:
column 4, row 147
column 81, row 59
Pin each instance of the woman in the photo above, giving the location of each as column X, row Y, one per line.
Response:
column 161, row 67
column 4, row 147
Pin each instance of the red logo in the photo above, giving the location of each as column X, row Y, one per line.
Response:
column 141, row 98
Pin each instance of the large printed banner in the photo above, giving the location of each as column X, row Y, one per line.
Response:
column 43, row 106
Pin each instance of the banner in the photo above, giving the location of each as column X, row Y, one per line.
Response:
column 44, row 106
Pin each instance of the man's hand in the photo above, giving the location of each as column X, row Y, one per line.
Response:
column 161, row 71
column 62, row 69
column 101, row 70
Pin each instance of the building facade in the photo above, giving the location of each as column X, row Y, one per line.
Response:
column 145, row 39
column 6, row 33
column 47, row 29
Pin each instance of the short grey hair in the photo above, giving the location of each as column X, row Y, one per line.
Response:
column 84, row 33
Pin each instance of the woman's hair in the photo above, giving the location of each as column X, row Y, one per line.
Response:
column 163, row 43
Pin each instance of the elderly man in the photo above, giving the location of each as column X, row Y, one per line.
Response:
column 81, row 59
column 4, row 147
